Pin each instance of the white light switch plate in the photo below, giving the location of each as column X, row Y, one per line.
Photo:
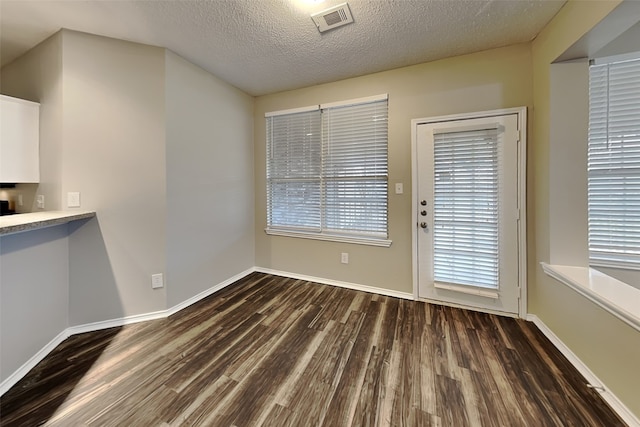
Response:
column 399, row 188
column 73, row 199
column 40, row 201
column 157, row 281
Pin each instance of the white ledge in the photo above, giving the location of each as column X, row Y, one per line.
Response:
column 616, row 297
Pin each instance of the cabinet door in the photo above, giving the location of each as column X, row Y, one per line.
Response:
column 19, row 140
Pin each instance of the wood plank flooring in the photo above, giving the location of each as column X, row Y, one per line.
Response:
column 272, row 351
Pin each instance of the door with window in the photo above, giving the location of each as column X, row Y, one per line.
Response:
column 468, row 212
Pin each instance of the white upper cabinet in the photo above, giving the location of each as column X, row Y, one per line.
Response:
column 19, row 140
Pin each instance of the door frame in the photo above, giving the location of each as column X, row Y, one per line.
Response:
column 521, row 113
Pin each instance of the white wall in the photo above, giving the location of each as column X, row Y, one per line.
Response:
column 210, row 219
column 626, row 43
column 568, row 133
column 34, row 304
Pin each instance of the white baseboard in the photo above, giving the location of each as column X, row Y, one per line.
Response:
column 12, row 379
column 181, row 306
column 348, row 285
column 613, row 401
column 112, row 323
column 31, row 363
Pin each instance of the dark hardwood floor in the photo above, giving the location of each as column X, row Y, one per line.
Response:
column 270, row 351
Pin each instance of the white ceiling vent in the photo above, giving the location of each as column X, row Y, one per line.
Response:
column 333, row 17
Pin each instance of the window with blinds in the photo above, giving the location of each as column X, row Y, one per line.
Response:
column 327, row 170
column 466, row 208
column 614, row 164
column 294, row 170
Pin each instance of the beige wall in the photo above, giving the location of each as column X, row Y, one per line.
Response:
column 209, row 128
column 34, row 267
column 609, row 347
column 114, row 155
column 34, row 293
column 37, row 76
column 134, row 129
column 498, row 78
column 102, row 133
column 111, row 144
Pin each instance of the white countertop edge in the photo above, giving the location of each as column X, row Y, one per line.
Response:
column 616, row 297
column 20, row 223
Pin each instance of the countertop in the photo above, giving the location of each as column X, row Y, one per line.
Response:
column 11, row 224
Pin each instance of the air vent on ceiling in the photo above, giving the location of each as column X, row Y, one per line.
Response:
column 333, row 17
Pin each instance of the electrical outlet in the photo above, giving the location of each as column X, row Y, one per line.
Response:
column 20, row 201
column 73, row 199
column 40, row 201
column 157, row 281
column 344, row 258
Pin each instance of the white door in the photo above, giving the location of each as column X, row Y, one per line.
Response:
column 467, row 188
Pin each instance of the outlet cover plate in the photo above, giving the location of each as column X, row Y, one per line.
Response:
column 73, row 199
column 157, row 281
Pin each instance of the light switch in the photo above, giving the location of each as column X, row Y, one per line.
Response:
column 73, row 199
column 399, row 188
column 157, row 281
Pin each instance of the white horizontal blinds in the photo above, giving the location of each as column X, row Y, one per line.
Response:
column 355, row 168
column 293, row 171
column 466, row 208
column 614, row 164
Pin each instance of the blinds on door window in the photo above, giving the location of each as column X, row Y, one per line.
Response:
column 614, row 164
column 327, row 170
column 466, row 208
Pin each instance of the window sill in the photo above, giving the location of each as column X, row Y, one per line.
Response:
column 370, row 241
column 616, row 297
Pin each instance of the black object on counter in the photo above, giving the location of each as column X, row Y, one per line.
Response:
column 4, row 208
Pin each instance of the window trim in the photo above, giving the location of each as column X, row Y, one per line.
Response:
column 329, row 237
column 355, row 237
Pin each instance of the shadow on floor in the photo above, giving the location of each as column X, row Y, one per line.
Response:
column 30, row 402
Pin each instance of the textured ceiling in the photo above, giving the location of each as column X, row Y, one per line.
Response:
column 266, row 46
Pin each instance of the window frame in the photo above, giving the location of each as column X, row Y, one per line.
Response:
column 324, row 233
